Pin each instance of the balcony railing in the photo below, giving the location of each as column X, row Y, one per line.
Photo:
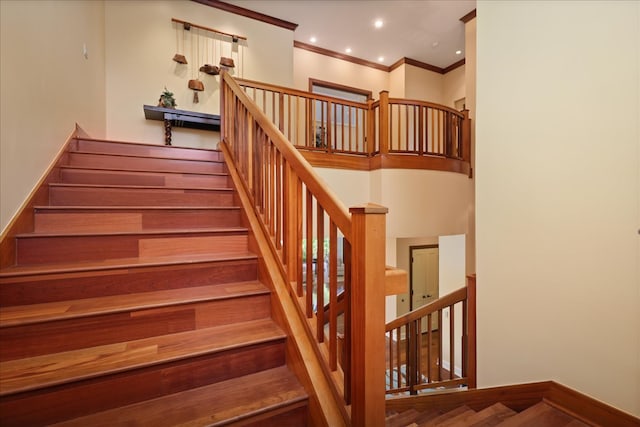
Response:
column 387, row 133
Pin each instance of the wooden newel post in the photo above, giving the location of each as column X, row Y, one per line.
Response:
column 466, row 136
column 368, row 315
column 383, row 122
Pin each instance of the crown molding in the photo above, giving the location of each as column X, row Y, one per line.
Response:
column 227, row 7
column 469, row 16
column 416, row 63
column 337, row 55
column 322, row 51
column 454, row 66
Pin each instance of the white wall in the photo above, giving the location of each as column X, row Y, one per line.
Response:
column 423, row 85
column 558, row 254
column 141, row 42
column 350, row 186
column 453, row 87
column 47, row 86
column 424, row 202
column 307, row 64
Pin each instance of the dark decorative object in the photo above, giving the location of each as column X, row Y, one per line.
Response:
column 180, row 59
column 212, row 70
column 227, row 62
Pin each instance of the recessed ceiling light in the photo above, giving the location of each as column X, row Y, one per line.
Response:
column 380, row 58
column 458, row 52
column 348, row 50
column 378, row 23
column 313, row 39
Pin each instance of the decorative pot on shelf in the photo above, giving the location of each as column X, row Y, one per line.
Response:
column 167, row 100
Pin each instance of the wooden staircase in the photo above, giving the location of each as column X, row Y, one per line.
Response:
column 135, row 300
column 540, row 415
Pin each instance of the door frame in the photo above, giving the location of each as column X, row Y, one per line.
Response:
column 411, row 249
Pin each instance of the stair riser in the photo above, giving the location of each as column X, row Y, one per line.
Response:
column 51, row 221
column 147, row 150
column 71, row 286
column 158, row 179
column 142, row 163
column 294, row 416
column 53, row 337
column 55, row 404
column 80, row 196
column 42, row 250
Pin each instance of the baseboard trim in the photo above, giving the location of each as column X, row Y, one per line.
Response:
column 587, row 409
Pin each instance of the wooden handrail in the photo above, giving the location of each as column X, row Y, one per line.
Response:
column 290, row 91
column 407, row 371
column 334, row 207
column 416, row 102
column 293, row 205
column 441, row 303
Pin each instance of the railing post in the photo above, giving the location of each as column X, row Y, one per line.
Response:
column 367, row 315
column 471, row 330
column 383, row 122
column 223, row 106
column 292, row 221
column 466, row 136
column 370, row 136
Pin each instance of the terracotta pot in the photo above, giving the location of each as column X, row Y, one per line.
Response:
column 196, row 85
column 180, row 59
column 210, row 69
column 227, row 62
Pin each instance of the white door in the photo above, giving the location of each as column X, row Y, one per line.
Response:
column 424, row 279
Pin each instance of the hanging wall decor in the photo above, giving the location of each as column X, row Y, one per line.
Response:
column 207, row 68
column 195, row 84
column 226, row 62
column 179, row 57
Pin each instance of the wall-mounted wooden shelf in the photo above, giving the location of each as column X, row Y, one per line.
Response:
column 181, row 118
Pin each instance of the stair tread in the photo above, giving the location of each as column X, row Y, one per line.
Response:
column 216, row 404
column 402, row 419
column 59, row 368
column 131, row 208
column 61, row 310
column 141, row 156
column 151, row 171
column 458, row 419
column 446, row 416
column 540, row 414
column 139, row 187
column 119, row 263
column 146, row 232
column 490, row 416
column 145, row 145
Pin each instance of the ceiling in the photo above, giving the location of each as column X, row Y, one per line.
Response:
column 428, row 31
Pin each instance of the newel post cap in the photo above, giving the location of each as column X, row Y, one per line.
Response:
column 369, row 208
